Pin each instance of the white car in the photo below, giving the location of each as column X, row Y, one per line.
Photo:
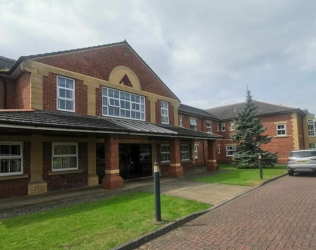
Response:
column 302, row 161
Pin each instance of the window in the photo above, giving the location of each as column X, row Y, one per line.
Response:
column 312, row 145
column 196, row 151
column 230, row 150
column 185, row 152
column 11, row 159
column 193, row 124
column 164, row 112
column 122, row 104
column 65, row 156
column 311, row 127
column 65, row 94
column 232, row 125
column 219, row 149
column 165, row 153
column 223, row 126
column 281, row 129
column 180, row 121
column 209, row 127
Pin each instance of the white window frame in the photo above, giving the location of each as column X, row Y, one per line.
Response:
column 166, row 116
column 232, row 125
column 230, row 149
column 65, row 98
column 71, row 155
column 196, row 151
column 107, row 105
column 277, row 129
column 193, row 126
column 209, row 127
column 313, row 130
column 185, row 152
column 13, row 157
column 223, row 126
column 180, row 121
column 167, row 153
column 219, row 149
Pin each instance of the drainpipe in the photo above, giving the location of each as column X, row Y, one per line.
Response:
column 5, row 92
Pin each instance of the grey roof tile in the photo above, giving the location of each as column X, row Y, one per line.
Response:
column 230, row 112
column 186, row 109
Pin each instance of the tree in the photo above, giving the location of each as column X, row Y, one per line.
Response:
column 249, row 136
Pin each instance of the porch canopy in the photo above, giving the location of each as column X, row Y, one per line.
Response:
column 59, row 122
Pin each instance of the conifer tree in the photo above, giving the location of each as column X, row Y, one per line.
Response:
column 249, row 136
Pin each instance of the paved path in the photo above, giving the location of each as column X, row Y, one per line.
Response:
column 279, row 215
column 185, row 187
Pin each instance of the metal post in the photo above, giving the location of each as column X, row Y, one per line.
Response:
column 157, row 191
column 260, row 167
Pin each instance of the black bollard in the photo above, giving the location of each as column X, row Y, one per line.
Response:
column 260, row 167
column 157, row 191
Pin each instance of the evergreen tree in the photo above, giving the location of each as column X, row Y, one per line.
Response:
column 249, row 136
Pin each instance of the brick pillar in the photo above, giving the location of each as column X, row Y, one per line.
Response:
column 112, row 179
column 93, row 179
column 36, row 184
column 211, row 151
column 175, row 170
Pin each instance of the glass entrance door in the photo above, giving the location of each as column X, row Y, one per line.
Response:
column 135, row 161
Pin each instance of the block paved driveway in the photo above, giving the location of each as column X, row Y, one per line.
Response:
column 279, row 215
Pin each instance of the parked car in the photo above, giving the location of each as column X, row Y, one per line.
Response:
column 302, row 161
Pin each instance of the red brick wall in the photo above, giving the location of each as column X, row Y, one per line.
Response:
column 281, row 145
column 2, row 95
column 22, row 92
column 301, row 132
column 50, row 94
column 65, row 181
column 100, row 62
column 17, row 187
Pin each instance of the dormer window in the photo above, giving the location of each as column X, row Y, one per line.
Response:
column 209, row 127
column 65, row 94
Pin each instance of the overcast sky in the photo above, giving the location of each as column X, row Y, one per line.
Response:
column 207, row 52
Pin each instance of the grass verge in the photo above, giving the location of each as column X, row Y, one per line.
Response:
column 95, row 225
column 242, row 177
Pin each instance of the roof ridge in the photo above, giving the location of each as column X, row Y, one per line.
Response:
column 280, row 105
column 227, row 105
column 8, row 59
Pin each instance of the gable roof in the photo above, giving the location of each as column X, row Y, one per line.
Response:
column 6, row 63
column 230, row 112
column 17, row 63
column 189, row 110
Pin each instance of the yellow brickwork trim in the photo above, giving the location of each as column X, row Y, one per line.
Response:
column 118, row 73
column 39, row 70
column 66, row 172
column 112, row 171
column 175, row 164
column 296, row 144
column 281, row 122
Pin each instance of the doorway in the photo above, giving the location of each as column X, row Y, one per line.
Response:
column 135, row 161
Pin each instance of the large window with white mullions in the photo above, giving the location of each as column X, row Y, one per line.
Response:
column 11, row 159
column 65, row 94
column 165, row 153
column 118, row 103
column 230, row 151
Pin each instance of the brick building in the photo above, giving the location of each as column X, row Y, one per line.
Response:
column 100, row 115
column 89, row 116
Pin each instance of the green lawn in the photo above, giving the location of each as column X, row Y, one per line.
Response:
column 95, row 225
column 242, row 177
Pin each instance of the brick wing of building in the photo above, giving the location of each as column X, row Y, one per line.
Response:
column 90, row 116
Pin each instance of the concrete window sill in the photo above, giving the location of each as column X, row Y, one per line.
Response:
column 281, row 136
column 14, row 177
column 66, row 172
